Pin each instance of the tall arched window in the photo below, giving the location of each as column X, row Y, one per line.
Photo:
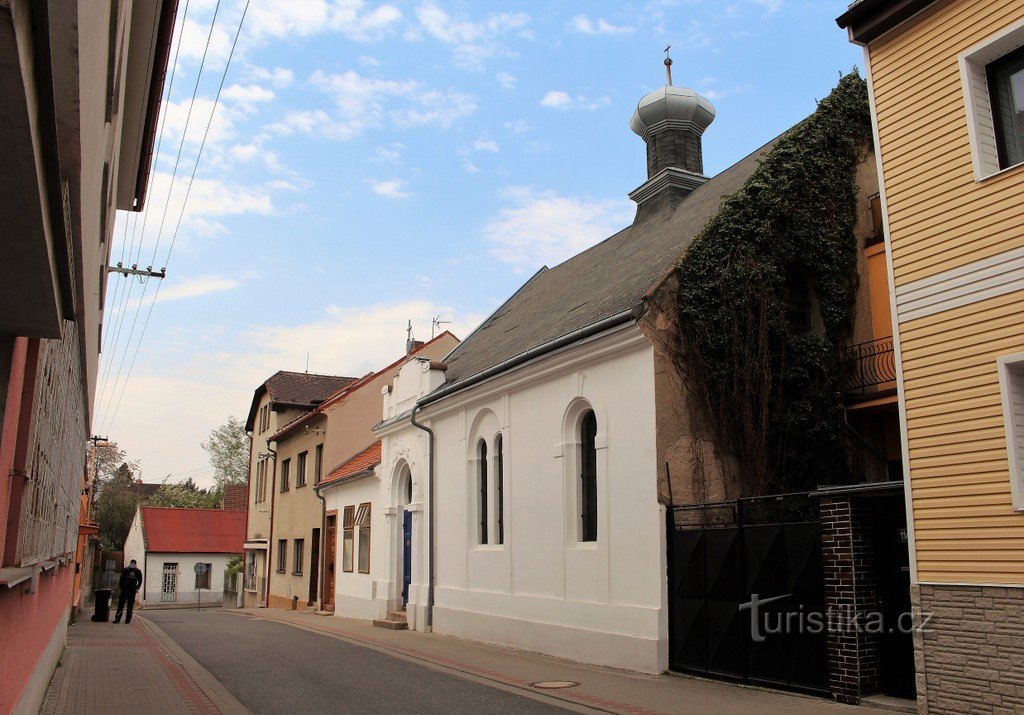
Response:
column 482, row 483
column 499, row 490
column 588, row 477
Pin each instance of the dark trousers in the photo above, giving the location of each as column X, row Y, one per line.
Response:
column 127, row 597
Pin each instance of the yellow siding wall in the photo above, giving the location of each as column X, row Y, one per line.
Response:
column 940, row 219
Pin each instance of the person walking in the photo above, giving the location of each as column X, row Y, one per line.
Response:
column 130, row 583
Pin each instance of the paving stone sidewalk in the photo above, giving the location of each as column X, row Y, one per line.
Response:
column 110, row 668
column 598, row 689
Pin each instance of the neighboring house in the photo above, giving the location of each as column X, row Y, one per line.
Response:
column 280, row 399
column 167, row 543
column 523, row 482
column 81, row 84
column 305, row 449
column 947, row 79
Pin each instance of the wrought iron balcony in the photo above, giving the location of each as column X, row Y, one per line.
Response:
column 870, row 367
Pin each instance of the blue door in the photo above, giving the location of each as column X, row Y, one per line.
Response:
column 406, row 556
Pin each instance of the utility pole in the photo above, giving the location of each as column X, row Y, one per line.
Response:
column 95, row 439
column 148, row 271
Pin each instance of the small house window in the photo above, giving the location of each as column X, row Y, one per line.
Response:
column 1011, row 384
column 481, row 465
column 300, row 470
column 363, row 524
column 318, row 464
column 282, row 554
column 588, row 477
column 300, row 547
column 347, row 538
column 286, row 467
column 203, row 576
column 499, row 490
column 1006, row 85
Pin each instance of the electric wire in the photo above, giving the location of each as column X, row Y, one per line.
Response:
column 184, row 204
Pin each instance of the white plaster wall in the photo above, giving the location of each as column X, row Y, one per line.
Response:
column 601, row 602
column 354, row 592
column 134, row 544
column 187, row 594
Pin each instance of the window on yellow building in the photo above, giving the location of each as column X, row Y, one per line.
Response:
column 1011, row 383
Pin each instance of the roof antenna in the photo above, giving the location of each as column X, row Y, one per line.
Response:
column 408, row 338
column 436, row 324
column 668, row 65
column 307, row 362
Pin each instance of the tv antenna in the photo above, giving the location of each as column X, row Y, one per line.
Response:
column 435, row 325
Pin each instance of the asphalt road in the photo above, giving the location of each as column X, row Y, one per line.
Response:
column 275, row 668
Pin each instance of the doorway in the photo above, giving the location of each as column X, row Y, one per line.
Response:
column 314, row 566
column 169, row 583
column 330, row 554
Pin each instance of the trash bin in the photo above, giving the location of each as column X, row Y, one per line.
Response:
column 102, row 614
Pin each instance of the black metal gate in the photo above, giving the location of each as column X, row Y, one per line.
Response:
column 746, row 592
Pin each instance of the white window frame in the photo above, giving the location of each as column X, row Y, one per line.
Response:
column 1011, row 383
column 977, row 97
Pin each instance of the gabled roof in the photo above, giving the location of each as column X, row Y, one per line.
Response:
column 193, row 531
column 357, row 466
column 603, row 281
column 295, row 389
column 348, row 389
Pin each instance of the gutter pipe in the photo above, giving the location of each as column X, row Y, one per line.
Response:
column 600, row 326
column 270, row 535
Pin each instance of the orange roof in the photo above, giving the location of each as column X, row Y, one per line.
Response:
column 362, row 462
column 193, row 531
column 350, row 388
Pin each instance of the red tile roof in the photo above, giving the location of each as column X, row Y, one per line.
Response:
column 362, row 462
column 348, row 389
column 193, row 531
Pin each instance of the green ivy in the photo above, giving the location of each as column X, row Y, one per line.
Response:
column 770, row 390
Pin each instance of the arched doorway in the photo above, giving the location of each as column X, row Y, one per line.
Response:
column 403, row 575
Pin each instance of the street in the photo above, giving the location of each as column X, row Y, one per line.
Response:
column 275, row 668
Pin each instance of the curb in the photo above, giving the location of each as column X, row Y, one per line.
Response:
column 220, row 696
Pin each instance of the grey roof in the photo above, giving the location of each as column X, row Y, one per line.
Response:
column 296, row 389
column 605, row 280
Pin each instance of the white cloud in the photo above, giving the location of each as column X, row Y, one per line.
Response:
column 279, row 77
column 486, row 145
column 365, row 102
column 389, row 188
column 224, row 367
column 368, row 61
column 506, row 80
column 582, row 23
column 354, row 19
column 519, row 126
column 472, row 42
column 546, row 228
column 557, row 99
column 247, row 94
column 391, row 152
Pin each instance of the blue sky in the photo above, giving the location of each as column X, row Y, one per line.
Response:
column 371, row 163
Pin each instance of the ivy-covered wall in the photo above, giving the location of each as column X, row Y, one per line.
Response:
column 766, row 304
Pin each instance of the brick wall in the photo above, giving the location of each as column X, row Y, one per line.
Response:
column 675, row 148
column 969, row 649
column 236, row 497
column 850, row 592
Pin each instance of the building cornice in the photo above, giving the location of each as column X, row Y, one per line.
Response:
column 868, row 20
column 669, row 177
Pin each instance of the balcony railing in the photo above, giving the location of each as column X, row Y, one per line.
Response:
column 870, row 366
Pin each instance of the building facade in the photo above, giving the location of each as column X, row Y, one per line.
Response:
column 82, row 84
column 283, row 397
column 307, row 449
column 947, row 82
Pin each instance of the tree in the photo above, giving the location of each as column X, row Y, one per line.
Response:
column 108, row 457
column 115, row 505
column 228, row 447
column 184, row 495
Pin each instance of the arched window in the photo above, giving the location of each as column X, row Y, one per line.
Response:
column 588, row 477
column 482, row 483
column 499, row 490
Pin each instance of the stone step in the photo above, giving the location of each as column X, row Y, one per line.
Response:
column 391, row 625
column 397, row 616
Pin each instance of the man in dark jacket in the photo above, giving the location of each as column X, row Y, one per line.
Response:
column 131, row 581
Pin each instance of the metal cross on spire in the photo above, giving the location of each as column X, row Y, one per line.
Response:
column 668, row 65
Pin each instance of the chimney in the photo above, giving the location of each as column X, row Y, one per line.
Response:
column 235, row 497
column 412, row 346
column 671, row 121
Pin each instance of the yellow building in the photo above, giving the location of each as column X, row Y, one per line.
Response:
column 947, row 82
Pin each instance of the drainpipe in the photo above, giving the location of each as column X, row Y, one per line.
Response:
column 430, row 515
column 323, row 562
column 270, row 535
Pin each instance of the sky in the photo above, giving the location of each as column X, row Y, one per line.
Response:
column 371, row 163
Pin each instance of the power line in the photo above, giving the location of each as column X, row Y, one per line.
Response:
column 127, row 293
column 184, row 204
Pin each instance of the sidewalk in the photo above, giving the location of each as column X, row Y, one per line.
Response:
column 600, row 689
column 112, row 668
